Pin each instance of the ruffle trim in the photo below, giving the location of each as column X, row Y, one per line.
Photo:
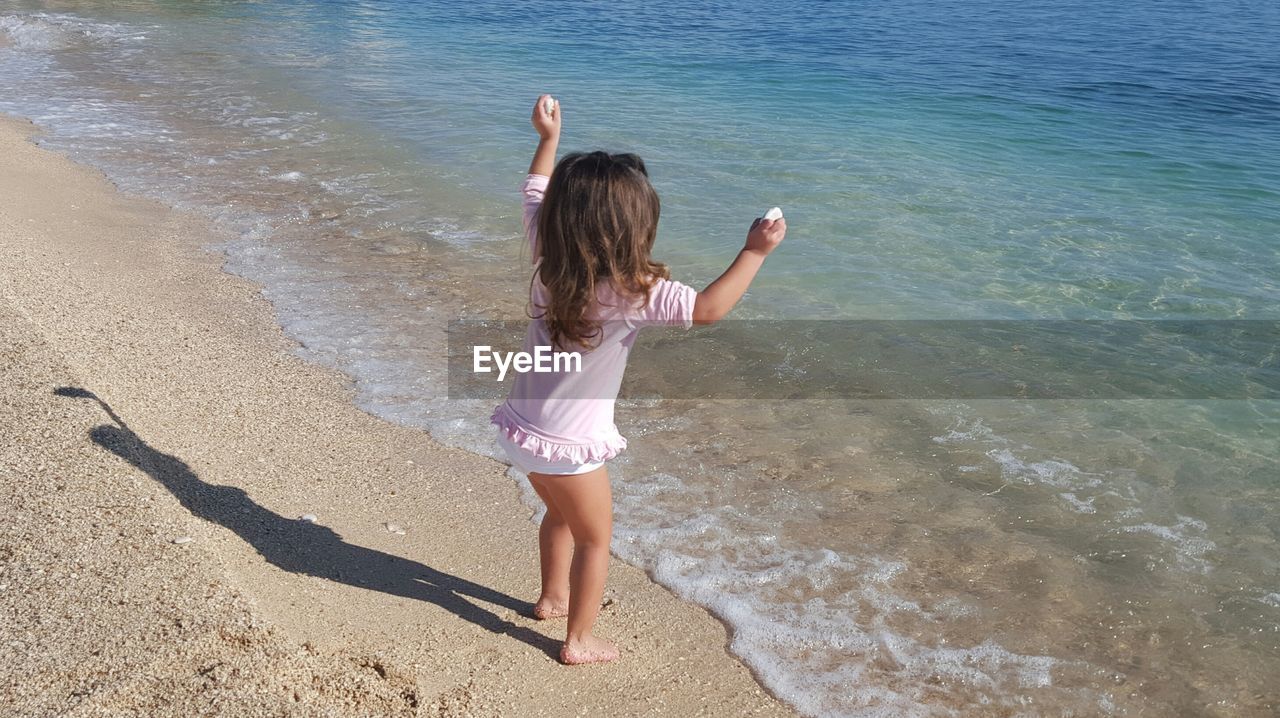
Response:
column 592, row 452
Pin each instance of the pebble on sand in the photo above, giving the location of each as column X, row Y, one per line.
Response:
column 309, row 518
column 396, row 529
column 183, row 539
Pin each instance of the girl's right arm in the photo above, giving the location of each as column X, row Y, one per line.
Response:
column 544, row 159
column 548, row 126
column 714, row 302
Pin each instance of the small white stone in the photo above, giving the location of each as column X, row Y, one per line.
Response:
column 773, row 214
column 309, row 518
column 183, row 539
column 549, row 105
column 396, row 529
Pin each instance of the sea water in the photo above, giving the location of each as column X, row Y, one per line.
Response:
column 983, row 160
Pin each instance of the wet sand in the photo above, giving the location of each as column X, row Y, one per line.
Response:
column 161, row 443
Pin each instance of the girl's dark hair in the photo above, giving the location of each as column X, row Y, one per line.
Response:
column 597, row 223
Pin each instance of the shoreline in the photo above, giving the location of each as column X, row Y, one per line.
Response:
column 208, row 426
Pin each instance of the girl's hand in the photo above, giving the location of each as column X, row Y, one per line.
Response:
column 546, row 123
column 766, row 234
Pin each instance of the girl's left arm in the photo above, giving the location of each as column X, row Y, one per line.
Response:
column 714, row 302
column 548, row 126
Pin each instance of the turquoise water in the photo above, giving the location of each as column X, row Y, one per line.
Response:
column 991, row 159
column 935, row 160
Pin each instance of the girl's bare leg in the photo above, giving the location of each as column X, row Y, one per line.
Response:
column 555, row 550
column 586, row 504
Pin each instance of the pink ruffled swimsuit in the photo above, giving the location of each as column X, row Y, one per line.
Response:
column 545, row 416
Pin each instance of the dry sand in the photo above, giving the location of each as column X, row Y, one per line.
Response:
column 160, row 442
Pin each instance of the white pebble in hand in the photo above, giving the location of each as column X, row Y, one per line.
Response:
column 774, row 214
column 549, row 104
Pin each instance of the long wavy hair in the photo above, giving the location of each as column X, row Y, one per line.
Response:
column 597, row 224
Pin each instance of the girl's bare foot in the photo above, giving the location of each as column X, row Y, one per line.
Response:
column 587, row 650
column 548, row 608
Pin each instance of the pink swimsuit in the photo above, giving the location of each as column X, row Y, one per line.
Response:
column 546, row 417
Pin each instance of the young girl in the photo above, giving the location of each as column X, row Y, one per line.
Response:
column 591, row 225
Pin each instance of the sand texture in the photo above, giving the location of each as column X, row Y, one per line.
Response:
column 161, row 442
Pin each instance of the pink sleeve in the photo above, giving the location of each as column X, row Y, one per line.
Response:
column 670, row 303
column 534, row 187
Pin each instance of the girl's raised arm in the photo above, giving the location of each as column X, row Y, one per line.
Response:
column 546, row 120
column 714, row 302
column 547, row 123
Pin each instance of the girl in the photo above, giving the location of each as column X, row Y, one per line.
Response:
column 591, row 225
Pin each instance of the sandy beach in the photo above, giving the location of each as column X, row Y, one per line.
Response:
column 163, row 441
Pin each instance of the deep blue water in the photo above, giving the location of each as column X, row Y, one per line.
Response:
column 1012, row 159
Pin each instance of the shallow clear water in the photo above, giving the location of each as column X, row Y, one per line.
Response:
column 984, row 160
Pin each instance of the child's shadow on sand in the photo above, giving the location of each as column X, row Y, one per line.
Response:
column 307, row 548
